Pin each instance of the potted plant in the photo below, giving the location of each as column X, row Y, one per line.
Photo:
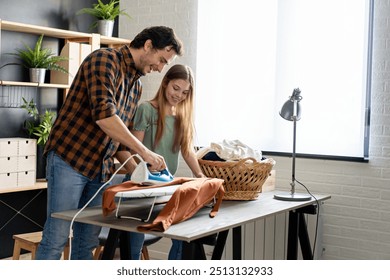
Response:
column 105, row 15
column 40, row 125
column 38, row 60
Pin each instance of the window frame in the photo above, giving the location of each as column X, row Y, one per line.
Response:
column 366, row 95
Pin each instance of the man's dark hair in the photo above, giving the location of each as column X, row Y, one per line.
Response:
column 161, row 37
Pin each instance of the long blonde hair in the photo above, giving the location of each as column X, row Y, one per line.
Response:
column 184, row 127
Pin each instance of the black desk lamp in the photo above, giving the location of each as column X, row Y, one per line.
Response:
column 291, row 111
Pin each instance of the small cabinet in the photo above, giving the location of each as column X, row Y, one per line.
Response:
column 17, row 162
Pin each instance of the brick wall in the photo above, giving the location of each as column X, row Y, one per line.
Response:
column 356, row 220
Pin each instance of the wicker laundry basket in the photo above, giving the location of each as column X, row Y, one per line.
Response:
column 244, row 179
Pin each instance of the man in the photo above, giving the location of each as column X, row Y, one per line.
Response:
column 92, row 128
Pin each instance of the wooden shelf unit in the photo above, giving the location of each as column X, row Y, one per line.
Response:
column 39, row 184
column 73, row 36
column 29, row 84
column 93, row 39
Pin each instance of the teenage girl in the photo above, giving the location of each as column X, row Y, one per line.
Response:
column 165, row 125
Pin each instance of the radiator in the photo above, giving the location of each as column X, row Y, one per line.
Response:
column 267, row 239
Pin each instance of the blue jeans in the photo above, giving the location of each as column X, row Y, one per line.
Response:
column 136, row 241
column 175, row 252
column 67, row 190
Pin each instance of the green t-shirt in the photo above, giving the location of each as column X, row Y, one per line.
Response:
column 145, row 119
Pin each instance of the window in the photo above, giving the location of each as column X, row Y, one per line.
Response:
column 252, row 54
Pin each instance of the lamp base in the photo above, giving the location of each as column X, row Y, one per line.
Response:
column 292, row 196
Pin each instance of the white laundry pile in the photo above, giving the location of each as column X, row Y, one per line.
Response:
column 230, row 150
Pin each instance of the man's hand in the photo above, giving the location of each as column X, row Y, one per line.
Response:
column 156, row 161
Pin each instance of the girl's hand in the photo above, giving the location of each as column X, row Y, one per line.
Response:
column 200, row 175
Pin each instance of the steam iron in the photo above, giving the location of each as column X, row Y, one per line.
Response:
column 142, row 175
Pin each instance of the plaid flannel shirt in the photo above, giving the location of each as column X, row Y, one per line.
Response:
column 106, row 84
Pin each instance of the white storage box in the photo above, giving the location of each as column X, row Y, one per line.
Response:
column 8, row 164
column 27, row 147
column 8, row 147
column 8, row 180
column 26, row 178
column 27, row 163
column 18, row 161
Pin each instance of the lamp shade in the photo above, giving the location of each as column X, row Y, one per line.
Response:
column 287, row 112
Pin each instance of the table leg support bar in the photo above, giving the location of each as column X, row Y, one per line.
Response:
column 220, row 245
column 111, row 244
column 304, row 239
column 292, row 243
column 237, row 243
column 297, row 230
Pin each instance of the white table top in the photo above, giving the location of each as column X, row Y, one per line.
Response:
column 230, row 215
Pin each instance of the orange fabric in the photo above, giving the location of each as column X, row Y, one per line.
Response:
column 109, row 204
column 186, row 201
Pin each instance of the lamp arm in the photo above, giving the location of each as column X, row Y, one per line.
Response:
column 294, row 118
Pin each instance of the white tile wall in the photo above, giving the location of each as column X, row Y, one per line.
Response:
column 356, row 221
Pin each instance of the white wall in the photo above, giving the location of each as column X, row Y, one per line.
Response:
column 181, row 15
column 356, row 220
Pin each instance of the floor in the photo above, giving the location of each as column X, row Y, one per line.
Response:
column 23, row 257
column 27, row 256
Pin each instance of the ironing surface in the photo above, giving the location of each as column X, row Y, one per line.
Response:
column 154, row 192
column 143, row 193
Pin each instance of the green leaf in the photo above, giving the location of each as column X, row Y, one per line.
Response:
column 31, row 108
